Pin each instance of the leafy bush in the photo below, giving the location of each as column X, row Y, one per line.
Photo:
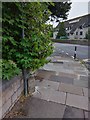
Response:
column 9, row 69
column 88, row 35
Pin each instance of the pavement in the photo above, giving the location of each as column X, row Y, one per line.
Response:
column 61, row 91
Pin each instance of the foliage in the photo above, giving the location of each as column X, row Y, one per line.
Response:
column 61, row 31
column 88, row 34
column 30, row 52
column 59, row 10
column 9, row 69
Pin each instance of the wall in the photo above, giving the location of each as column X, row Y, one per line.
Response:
column 55, row 35
column 78, row 42
column 11, row 92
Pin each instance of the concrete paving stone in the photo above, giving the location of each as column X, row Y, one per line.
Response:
column 0, row 113
column 48, row 84
column 53, row 67
column 68, row 67
column 37, row 108
column 62, row 79
column 0, row 102
column 37, row 82
column 70, row 89
column 85, row 92
column 45, row 73
column 69, row 75
column 50, row 95
column 69, row 71
column 75, row 64
column 71, row 112
column 80, row 72
column 77, row 101
column 87, row 115
column 84, row 77
column 80, row 68
column 81, row 83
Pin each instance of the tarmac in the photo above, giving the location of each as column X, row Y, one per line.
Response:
column 61, row 91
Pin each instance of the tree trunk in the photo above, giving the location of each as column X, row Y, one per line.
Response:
column 25, row 82
column 31, row 84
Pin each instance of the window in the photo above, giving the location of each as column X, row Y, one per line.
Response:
column 81, row 33
column 76, row 33
column 68, row 34
column 80, row 27
column 70, row 27
column 71, row 33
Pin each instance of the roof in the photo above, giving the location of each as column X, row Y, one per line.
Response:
column 76, row 22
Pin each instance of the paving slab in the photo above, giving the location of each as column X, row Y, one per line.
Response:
column 81, row 83
column 71, row 112
column 85, row 92
column 77, row 101
column 44, row 73
column 48, row 84
column 84, row 77
column 50, row 95
column 70, row 89
column 80, row 72
column 69, row 75
column 37, row 108
column 62, row 79
column 53, row 67
column 87, row 115
column 57, row 68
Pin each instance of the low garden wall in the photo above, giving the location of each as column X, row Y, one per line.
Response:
column 79, row 42
column 11, row 92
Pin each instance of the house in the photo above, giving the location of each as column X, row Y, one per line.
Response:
column 75, row 28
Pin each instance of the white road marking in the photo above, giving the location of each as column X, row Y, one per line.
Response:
column 67, row 54
column 72, row 56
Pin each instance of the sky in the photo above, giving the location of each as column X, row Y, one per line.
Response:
column 78, row 8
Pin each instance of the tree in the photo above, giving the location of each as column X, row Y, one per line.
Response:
column 26, row 37
column 28, row 52
column 59, row 10
column 88, row 34
column 61, row 31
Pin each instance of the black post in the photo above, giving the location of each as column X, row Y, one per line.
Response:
column 75, row 52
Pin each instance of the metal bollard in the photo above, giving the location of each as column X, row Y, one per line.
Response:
column 75, row 52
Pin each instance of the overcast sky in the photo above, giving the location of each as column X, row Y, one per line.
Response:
column 78, row 9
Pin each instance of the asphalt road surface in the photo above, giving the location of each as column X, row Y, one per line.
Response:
column 68, row 49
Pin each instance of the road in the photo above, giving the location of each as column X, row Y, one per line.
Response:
column 68, row 49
